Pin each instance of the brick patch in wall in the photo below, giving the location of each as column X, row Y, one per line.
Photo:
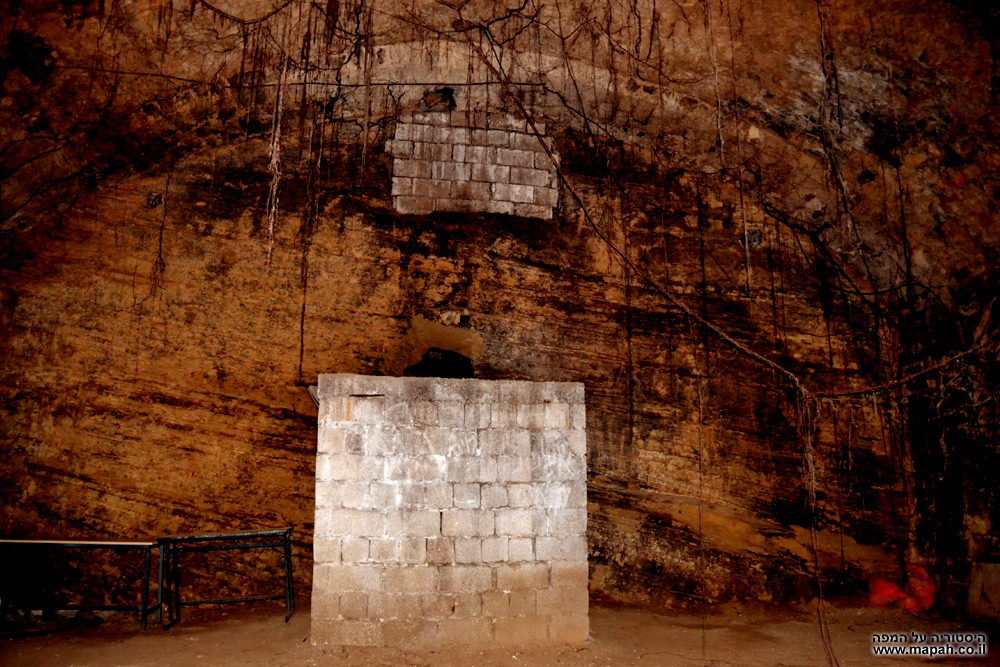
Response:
column 450, row 512
column 468, row 162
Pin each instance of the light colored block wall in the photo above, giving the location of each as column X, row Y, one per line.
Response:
column 450, row 512
column 466, row 162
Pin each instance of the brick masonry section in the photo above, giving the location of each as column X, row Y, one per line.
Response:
column 467, row 162
column 450, row 512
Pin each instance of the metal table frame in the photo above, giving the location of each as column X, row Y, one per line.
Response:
column 145, row 609
column 175, row 546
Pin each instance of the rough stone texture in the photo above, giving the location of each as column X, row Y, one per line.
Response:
column 818, row 181
column 424, row 577
column 453, row 161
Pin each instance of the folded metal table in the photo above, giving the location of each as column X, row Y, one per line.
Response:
column 147, row 546
column 176, row 546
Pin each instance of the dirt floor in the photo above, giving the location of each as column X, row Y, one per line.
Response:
column 257, row 635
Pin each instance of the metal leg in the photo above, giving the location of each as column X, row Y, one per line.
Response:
column 289, row 594
column 159, row 586
column 145, row 586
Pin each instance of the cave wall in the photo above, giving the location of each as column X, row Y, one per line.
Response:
column 760, row 205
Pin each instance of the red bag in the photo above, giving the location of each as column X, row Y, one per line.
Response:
column 882, row 592
column 920, row 589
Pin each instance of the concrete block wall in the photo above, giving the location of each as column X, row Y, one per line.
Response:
column 450, row 512
column 472, row 161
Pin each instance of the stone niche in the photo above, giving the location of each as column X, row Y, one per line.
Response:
column 450, row 512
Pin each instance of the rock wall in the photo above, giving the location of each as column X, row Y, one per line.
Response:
column 767, row 210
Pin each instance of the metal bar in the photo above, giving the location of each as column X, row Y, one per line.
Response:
column 228, row 547
column 289, row 594
column 191, row 603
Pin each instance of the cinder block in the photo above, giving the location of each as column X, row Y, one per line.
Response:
column 467, row 523
column 568, row 547
column 477, row 415
column 357, row 523
column 521, row 631
column 512, row 193
column 441, row 551
column 347, row 467
column 546, row 468
column 525, row 142
column 355, row 495
column 500, row 207
column 506, row 121
column 384, row 550
column 567, row 601
column 408, row 132
column 347, row 632
column 491, row 173
column 494, row 549
column 411, row 494
column 438, row 495
column 414, row 634
column 498, row 138
column 471, row 154
column 522, row 575
column 547, row 196
column 355, row 577
column 402, row 186
column 451, row 171
column 465, row 578
column 556, row 416
column 488, row 471
column 566, row 629
column 380, row 441
column 384, row 495
column 325, row 603
column 548, row 161
column 577, row 441
column 421, row 523
column 326, row 549
column 458, row 205
column 496, row 604
column 468, row 550
column 521, row 549
column 466, row 496
column 432, row 117
column 449, row 442
column 399, row 148
column 531, row 416
column 451, row 414
column 569, row 574
column 410, row 579
column 513, row 469
column 354, row 604
column 464, row 469
column 513, row 522
column 387, row 605
column 520, row 495
column 479, row 137
column 536, row 177
column 411, row 169
column 437, row 606
column 414, row 205
column 493, row 495
column 523, row 602
column 413, row 550
column 425, row 413
column 354, row 549
column 503, row 416
column 468, row 605
column 515, row 158
column 578, row 416
column 332, row 410
column 430, row 189
column 532, row 211
column 471, row 190
column 421, row 469
column 463, row 631
column 432, row 152
column 328, row 494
